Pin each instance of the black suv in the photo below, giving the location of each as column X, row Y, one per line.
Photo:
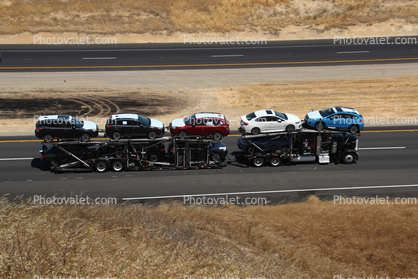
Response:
column 49, row 127
column 133, row 126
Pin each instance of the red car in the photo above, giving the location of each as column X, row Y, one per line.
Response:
column 203, row 124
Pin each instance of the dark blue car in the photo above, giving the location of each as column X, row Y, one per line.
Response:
column 268, row 144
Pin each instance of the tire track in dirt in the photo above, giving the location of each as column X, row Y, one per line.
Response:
column 90, row 108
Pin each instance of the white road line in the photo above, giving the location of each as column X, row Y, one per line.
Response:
column 15, row 159
column 344, row 52
column 382, row 148
column 233, row 55
column 97, row 58
column 271, row 192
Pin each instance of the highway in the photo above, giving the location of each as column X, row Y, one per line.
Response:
column 180, row 56
column 387, row 167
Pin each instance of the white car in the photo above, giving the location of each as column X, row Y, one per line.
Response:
column 269, row 121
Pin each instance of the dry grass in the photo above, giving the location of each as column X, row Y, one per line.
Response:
column 139, row 16
column 306, row 240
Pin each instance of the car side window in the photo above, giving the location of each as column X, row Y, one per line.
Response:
column 132, row 123
column 200, row 122
column 261, row 119
column 210, row 122
column 272, row 118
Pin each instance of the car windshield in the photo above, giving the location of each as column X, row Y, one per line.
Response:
column 326, row 112
column 144, row 120
column 189, row 120
column 77, row 122
column 250, row 116
column 281, row 115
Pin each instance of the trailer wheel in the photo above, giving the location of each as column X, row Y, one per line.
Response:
column 348, row 158
column 257, row 162
column 85, row 137
column 48, row 138
column 116, row 135
column 54, row 162
column 152, row 135
column 255, row 131
column 290, row 128
column 285, row 149
column 353, row 129
column 274, row 161
column 117, row 166
column 101, row 167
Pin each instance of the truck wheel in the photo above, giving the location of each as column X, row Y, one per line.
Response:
column 217, row 136
column 85, row 137
column 101, row 167
column 152, row 135
column 285, row 149
column 48, row 138
column 319, row 126
column 255, row 131
column 116, row 135
column 353, row 129
column 290, row 128
column 257, row 162
column 117, row 166
column 348, row 158
column 274, row 161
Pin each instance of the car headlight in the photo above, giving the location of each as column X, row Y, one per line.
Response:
column 313, row 119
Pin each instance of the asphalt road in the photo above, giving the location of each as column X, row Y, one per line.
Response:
column 387, row 167
column 157, row 56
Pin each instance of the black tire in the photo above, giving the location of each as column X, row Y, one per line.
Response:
column 152, row 135
column 348, row 158
column 153, row 157
column 255, row 131
column 48, row 138
column 218, row 136
column 54, row 162
column 101, row 167
column 275, row 161
column 353, row 129
column 117, row 166
column 251, row 150
column 285, row 149
column 84, row 137
column 116, row 135
column 182, row 134
column 290, row 128
column 217, row 157
column 257, row 162
column 319, row 126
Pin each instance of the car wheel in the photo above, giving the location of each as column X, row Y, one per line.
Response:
column 257, row 162
column 319, row 126
column 54, row 163
column 48, row 138
column 353, row 129
column 85, row 137
column 182, row 134
column 101, row 167
column 116, row 135
column 153, row 157
column 117, row 166
column 255, row 131
column 348, row 158
column 285, row 149
column 274, row 161
column 152, row 135
column 290, row 128
column 217, row 157
column 217, row 136
column 251, row 150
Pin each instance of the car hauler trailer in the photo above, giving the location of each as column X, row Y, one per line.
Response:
column 322, row 147
column 192, row 152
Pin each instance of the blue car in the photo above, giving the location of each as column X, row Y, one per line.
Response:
column 266, row 144
column 337, row 118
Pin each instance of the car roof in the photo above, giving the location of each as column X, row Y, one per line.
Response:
column 209, row 114
column 264, row 112
column 125, row 115
column 55, row 116
column 345, row 109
